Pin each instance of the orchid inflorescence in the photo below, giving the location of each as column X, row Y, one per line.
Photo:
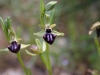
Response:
column 47, row 33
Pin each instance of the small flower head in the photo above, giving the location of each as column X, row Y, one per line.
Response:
column 14, row 47
column 49, row 37
column 48, row 34
column 96, row 27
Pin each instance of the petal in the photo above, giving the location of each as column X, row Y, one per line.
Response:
column 95, row 25
column 91, row 30
column 52, row 26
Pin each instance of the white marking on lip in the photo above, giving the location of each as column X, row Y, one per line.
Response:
column 51, row 37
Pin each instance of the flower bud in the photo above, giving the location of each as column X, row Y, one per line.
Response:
column 34, row 49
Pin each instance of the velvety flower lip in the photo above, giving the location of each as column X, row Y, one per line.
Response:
column 14, row 47
column 98, row 32
column 49, row 37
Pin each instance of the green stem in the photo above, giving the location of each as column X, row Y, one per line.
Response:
column 21, row 62
column 97, row 44
column 49, row 69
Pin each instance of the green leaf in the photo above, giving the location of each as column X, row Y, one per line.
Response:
column 3, row 50
column 32, row 54
column 52, row 16
column 42, row 11
column 8, row 23
column 24, row 46
column 46, row 60
column 29, row 72
column 97, row 45
column 18, row 32
column 40, row 34
column 57, row 33
column 41, row 6
column 49, row 6
column 4, row 29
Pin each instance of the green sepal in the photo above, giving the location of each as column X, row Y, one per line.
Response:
column 4, row 50
column 44, row 46
column 39, row 45
column 32, row 54
column 40, row 34
column 42, row 27
column 57, row 33
column 23, row 46
column 49, row 6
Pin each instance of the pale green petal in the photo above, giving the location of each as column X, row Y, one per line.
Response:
column 91, row 30
column 95, row 25
column 52, row 26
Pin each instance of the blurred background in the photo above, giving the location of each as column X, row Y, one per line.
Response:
column 73, row 54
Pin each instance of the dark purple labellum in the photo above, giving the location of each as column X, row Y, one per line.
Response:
column 49, row 37
column 98, row 31
column 15, row 47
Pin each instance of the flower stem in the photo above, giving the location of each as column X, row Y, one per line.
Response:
column 97, row 44
column 49, row 69
column 21, row 62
